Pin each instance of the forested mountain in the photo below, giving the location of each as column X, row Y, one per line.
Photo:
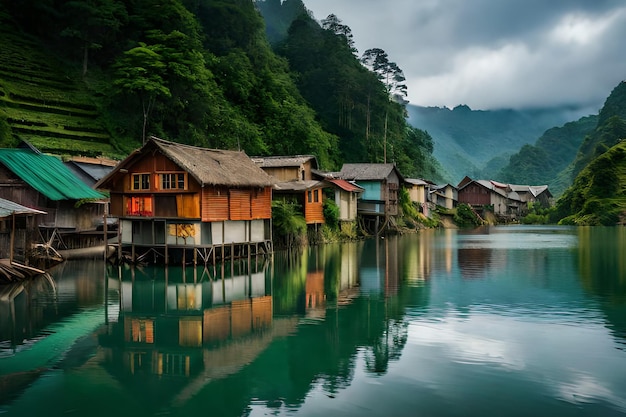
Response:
column 549, row 160
column 598, row 192
column 202, row 73
column 479, row 143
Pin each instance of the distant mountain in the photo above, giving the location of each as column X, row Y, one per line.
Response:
column 479, row 142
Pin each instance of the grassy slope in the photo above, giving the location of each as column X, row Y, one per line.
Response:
column 44, row 100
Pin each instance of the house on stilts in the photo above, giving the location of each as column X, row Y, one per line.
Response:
column 178, row 204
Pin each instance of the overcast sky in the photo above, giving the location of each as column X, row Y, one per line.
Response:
column 494, row 53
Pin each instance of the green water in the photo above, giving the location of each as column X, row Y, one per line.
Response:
column 501, row 321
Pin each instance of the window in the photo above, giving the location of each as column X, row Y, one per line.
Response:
column 141, row 182
column 316, row 197
column 139, row 206
column 172, row 181
column 310, row 196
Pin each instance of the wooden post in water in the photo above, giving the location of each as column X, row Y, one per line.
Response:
column 11, row 249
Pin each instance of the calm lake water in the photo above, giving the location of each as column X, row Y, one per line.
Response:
column 500, row 321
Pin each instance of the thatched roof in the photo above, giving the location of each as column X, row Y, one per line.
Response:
column 365, row 172
column 283, row 161
column 207, row 166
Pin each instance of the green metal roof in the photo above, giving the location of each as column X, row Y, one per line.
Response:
column 47, row 175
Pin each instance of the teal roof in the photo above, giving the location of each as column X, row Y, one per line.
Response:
column 47, row 174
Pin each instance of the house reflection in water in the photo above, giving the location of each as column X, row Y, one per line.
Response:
column 167, row 323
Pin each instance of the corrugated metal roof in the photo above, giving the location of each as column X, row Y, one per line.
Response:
column 47, row 175
column 345, row 185
column 94, row 172
column 8, row 208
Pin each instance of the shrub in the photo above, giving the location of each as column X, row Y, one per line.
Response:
column 288, row 224
column 465, row 216
column 331, row 213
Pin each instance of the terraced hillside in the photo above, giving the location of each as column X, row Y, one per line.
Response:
column 43, row 103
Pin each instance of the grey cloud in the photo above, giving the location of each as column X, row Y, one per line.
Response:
column 493, row 53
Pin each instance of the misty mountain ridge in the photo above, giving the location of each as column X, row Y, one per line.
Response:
column 479, row 143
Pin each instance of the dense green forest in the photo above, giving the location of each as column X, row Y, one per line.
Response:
column 98, row 76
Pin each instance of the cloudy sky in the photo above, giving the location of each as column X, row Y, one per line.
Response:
column 494, row 53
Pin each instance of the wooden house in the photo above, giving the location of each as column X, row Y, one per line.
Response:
column 295, row 182
column 508, row 200
column 42, row 182
column 533, row 194
column 379, row 200
column 288, row 168
column 346, row 198
column 380, row 183
column 17, row 234
column 419, row 193
column 90, row 170
column 444, row 195
column 179, row 200
column 482, row 193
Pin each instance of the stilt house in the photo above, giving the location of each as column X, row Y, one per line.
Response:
column 178, row 201
column 295, row 182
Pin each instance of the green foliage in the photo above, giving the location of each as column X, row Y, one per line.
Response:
column 331, row 213
column 598, row 195
column 406, row 205
column 6, row 136
column 201, row 73
column 465, row 216
column 536, row 214
column 289, row 225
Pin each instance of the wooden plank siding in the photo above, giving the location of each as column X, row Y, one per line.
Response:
column 214, row 204
column 240, row 204
column 262, row 203
column 219, row 203
column 314, row 207
column 475, row 195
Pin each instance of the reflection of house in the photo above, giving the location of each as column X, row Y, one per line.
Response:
column 171, row 197
column 507, row 200
column 295, row 183
column 380, row 183
column 166, row 324
column 35, row 180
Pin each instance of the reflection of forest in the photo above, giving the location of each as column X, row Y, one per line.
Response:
column 602, row 266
